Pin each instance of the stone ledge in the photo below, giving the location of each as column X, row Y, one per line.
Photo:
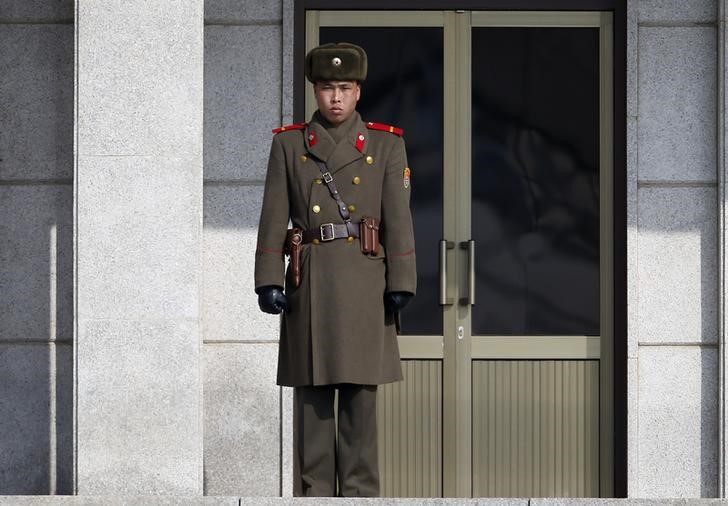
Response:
column 288, row 501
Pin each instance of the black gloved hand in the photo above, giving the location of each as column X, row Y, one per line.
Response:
column 271, row 299
column 395, row 301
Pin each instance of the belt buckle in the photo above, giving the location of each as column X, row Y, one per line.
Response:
column 327, row 232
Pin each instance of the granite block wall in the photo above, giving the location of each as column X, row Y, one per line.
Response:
column 247, row 417
column 36, row 247
column 673, row 249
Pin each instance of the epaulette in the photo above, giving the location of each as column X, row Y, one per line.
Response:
column 385, row 128
column 295, row 126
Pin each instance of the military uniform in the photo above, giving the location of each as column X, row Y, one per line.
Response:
column 337, row 332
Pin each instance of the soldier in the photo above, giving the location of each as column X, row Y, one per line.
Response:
column 345, row 187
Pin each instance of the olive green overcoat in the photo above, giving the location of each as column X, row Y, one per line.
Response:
column 336, row 330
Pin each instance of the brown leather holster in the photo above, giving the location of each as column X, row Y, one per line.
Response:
column 369, row 236
column 294, row 244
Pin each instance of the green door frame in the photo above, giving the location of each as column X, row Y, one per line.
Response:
column 458, row 351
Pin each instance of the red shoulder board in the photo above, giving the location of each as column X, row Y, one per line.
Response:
column 385, row 128
column 295, row 126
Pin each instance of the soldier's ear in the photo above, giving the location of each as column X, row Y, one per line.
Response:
column 358, row 91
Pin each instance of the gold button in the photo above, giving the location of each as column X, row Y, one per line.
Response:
column 369, row 159
column 304, row 158
column 315, row 241
column 350, row 239
column 316, row 209
column 351, row 208
column 317, row 181
column 356, row 180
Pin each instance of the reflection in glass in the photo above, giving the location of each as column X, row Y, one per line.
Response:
column 404, row 87
column 535, row 180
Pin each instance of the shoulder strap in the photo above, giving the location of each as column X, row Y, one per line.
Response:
column 343, row 210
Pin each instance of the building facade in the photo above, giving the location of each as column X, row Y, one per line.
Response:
column 133, row 143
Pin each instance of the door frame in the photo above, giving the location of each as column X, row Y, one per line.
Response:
column 619, row 202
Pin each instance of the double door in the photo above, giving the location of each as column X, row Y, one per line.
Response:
column 506, row 349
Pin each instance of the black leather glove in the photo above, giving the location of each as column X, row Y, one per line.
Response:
column 271, row 299
column 395, row 301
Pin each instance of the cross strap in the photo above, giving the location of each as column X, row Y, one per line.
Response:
column 343, row 210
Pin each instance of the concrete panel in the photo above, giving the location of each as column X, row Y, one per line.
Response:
column 242, row 420
column 242, row 99
column 677, row 251
column 139, row 407
column 36, row 10
column 36, row 100
column 678, row 422
column 632, row 58
column 287, row 62
column 677, row 10
column 141, row 500
column 633, row 425
column 287, row 442
column 152, row 54
column 230, row 305
column 242, row 11
column 633, row 316
column 36, row 262
column 139, row 237
column 379, row 501
column 36, row 430
column 677, row 103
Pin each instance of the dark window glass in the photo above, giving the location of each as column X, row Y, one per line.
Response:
column 404, row 87
column 535, row 180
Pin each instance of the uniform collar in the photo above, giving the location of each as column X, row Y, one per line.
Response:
column 321, row 145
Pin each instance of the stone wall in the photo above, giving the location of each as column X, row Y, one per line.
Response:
column 247, row 93
column 673, row 255
column 36, row 246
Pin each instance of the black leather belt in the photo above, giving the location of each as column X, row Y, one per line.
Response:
column 328, row 232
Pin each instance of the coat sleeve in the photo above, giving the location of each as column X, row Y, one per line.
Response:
column 273, row 224
column 396, row 229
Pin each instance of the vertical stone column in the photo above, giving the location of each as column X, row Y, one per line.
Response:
column 138, row 225
column 722, row 245
column 674, row 300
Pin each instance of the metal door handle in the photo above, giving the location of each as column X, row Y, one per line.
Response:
column 470, row 246
column 444, row 246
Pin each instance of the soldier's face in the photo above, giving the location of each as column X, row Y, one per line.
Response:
column 337, row 99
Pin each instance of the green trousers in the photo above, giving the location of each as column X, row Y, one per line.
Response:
column 324, row 452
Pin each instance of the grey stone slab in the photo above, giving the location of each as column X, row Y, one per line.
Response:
column 633, row 425
column 140, row 78
column 677, row 10
column 36, row 426
column 116, row 500
column 36, row 262
column 242, row 420
column 242, row 11
column 633, row 501
column 287, row 442
column 677, row 103
column 229, row 304
column 678, row 422
column 287, row 63
column 632, row 58
column 36, row 10
column 139, row 237
column 360, row 501
column 139, row 420
column 242, row 99
column 36, row 101
column 633, row 316
column 677, row 255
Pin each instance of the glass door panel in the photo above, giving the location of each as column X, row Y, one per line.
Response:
column 535, row 180
column 404, row 87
